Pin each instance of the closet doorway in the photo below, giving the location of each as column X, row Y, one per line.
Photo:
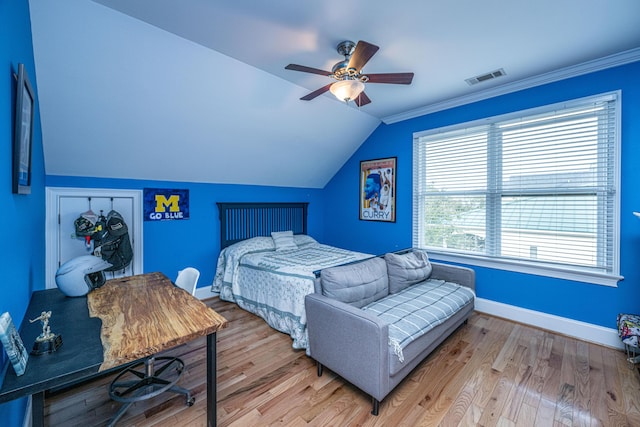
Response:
column 64, row 205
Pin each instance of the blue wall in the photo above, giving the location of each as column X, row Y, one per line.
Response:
column 170, row 246
column 333, row 214
column 594, row 304
column 22, row 257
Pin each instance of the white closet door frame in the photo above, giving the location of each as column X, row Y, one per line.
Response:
column 53, row 195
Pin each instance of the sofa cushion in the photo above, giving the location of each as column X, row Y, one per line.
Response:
column 358, row 284
column 407, row 269
column 417, row 309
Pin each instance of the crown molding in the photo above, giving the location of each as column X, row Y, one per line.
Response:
column 610, row 61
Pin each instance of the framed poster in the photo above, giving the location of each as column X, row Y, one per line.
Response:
column 378, row 190
column 162, row 204
column 23, row 129
column 12, row 343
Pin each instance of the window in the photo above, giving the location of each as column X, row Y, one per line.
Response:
column 534, row 191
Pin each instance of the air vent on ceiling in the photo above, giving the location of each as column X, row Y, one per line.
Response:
column 484, row 77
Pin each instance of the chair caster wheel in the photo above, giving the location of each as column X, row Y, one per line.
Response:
column 191, row 401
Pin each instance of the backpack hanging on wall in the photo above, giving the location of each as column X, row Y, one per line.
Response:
column 111, row 241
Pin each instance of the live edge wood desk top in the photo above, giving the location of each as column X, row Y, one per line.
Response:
column 146, row 314
column 129, row 318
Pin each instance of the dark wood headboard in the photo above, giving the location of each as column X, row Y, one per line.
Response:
column 240, row 221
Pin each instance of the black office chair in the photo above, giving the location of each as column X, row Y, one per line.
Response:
column 154, row 375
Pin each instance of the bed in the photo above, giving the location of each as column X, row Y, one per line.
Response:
column 269, row 275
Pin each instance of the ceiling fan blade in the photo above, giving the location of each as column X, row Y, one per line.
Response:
column 304, row 69
column 362, row 54
column 316, row 93
column 393, row 78
column 362, row 99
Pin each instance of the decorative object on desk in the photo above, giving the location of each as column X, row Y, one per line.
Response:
column 12, row 344
column 47, row 341
column 378, row 190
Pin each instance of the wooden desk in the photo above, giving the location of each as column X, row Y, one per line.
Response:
column 125, row 320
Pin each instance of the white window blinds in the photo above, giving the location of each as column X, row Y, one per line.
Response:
column 536, row 187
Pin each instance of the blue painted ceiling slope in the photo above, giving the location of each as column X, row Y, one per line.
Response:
column 196, row 91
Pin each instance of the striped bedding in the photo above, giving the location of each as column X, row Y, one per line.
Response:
column 273, row 284
column 417, row 309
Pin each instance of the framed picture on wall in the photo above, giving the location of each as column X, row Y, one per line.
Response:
column 23, row 134
column 378, row 190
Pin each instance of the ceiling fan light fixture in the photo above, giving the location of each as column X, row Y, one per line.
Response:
column 349, row 80
column 347, row 90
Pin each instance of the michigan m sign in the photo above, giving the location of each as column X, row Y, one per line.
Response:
column 162, row 204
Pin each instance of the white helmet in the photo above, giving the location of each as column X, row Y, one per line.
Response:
column 81, row 275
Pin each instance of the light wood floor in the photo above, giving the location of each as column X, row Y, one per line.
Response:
column 491, row 372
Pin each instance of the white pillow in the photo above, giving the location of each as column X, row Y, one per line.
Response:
column 283, row 240
column 303, row 239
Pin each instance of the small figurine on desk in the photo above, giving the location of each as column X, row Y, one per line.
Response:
column 47, row 341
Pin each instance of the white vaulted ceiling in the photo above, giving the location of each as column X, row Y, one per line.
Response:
column 196, row 90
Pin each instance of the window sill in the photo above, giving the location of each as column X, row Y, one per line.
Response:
column 528, row 268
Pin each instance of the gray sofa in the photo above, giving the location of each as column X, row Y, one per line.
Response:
column 373, row 321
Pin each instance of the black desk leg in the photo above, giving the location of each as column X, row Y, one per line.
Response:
column 211, row 380
column 37, row 409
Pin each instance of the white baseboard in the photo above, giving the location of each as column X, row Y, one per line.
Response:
column 562, row 325
column 205, row 292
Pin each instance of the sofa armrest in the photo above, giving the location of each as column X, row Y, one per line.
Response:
column 455, row 274
column 351, row 342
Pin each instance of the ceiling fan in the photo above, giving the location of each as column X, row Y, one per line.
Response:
column 350, row 80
